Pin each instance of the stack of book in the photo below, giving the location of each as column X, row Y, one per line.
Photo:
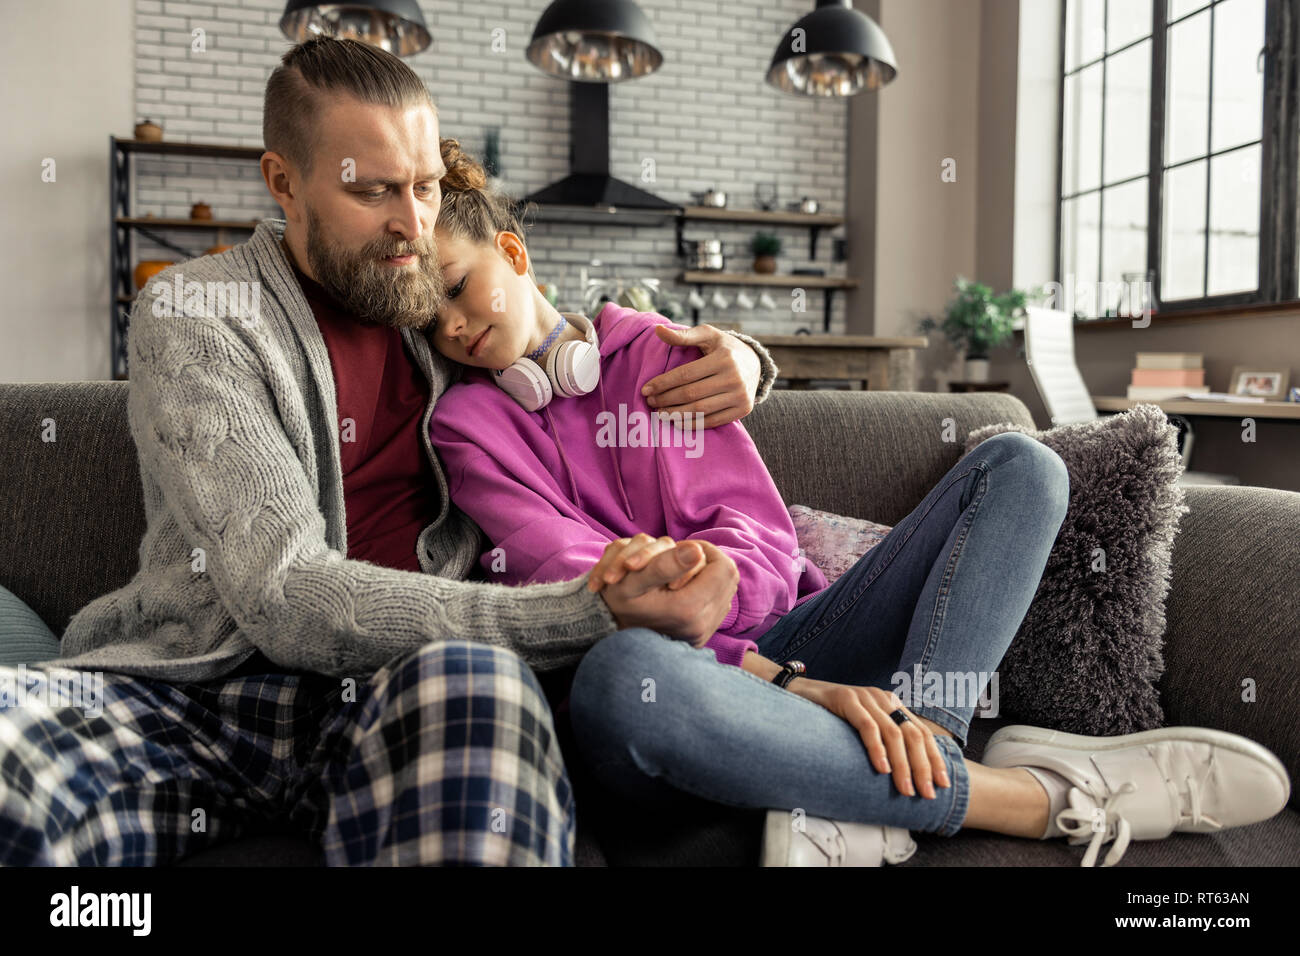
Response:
column 1161, row 375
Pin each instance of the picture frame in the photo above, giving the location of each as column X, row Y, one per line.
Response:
column 1269, row 384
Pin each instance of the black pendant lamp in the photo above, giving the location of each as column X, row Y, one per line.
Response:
column 833, row 51
column 396, row 26
column 594, row 41
column 592, row 44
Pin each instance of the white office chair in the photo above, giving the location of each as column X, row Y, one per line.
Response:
column 1049, row 351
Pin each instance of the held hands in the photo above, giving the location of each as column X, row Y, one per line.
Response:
column 682, row 589
column 908, row 751
column 721, row 384
column 631, row 554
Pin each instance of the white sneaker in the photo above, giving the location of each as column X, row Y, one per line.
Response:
column 1148, row 785
column 822, row 842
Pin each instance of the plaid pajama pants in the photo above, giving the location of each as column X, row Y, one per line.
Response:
column 446, row 755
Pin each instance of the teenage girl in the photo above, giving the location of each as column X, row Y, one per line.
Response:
column 788, row 705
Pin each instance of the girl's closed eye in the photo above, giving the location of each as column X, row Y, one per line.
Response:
column 458, row 287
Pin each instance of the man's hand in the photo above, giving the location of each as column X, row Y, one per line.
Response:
column 642, row 598
column 721, row 384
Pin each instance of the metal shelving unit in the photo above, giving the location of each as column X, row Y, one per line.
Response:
column 122, row 225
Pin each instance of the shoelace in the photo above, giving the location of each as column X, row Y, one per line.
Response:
column 832, row 846
column 1194, row 798
column 1116, row 826
column 1078, row 819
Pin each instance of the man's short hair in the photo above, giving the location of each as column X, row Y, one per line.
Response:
column 324, row 67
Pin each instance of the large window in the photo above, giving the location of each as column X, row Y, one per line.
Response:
column 1172, row 115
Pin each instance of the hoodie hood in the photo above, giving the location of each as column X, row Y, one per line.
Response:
column 617, row 325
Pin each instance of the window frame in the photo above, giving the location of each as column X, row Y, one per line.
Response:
column 1279, row 170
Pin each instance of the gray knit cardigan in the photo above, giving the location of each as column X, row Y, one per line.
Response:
column 234, row 418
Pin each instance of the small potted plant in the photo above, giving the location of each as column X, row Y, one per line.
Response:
column 977, row 321
column 766, row 247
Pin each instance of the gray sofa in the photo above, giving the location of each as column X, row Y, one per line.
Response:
column 75, row 520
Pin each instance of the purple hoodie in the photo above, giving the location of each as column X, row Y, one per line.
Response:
column 550, row 490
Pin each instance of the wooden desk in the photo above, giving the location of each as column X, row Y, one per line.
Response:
column 1184, row 406
column 865, row 358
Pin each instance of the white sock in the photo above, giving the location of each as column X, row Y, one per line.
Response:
column 1057, row 788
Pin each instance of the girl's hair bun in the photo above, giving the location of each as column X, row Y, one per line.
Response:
column 471, row 208
column 463, row 171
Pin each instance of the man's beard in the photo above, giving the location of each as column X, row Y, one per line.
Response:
column 379, row 294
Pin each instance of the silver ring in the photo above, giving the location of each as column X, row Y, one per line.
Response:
column 900, row 716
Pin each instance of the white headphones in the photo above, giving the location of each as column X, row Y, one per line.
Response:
column 572, row 368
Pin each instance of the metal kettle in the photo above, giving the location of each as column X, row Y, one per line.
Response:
column 710, row 197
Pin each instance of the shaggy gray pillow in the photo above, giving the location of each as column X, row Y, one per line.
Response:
column 1088, row 654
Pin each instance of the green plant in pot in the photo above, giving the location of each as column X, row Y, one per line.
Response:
column 977, row 321
column 766, row 247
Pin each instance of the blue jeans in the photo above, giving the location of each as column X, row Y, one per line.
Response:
column 945, row 591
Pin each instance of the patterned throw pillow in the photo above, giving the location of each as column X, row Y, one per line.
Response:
column 833, row 542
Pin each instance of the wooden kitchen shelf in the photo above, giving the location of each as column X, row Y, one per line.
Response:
column 774, row 218
column 198, row 150
column 814, row 222
column 783, row 280
column 829, row 284
column 162, row 223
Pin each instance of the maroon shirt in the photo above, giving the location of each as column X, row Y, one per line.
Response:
column 389, row 490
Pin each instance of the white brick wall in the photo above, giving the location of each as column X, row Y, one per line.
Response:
column 706, row 118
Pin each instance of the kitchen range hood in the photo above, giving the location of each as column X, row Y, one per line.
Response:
column 589, row 193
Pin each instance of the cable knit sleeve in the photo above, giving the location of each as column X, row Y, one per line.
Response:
column 209, row 431
column 765, row 360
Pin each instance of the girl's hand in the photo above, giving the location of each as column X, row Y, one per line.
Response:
column 632, row 554
column 908, row 751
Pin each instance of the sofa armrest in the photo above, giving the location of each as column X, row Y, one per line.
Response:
column 1233, row 617
column 74, row 506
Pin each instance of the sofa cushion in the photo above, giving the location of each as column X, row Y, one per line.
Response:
column 867, row 454
column 24, row 637
column 1232, row 658
column 1087, row 656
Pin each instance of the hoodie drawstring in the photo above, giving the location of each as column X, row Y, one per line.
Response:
column 618, row 475
column 568, row 468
